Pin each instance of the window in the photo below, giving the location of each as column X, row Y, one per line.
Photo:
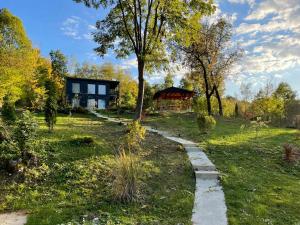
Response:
column 91, row 89
column 91, row 103
column 102, row 90
column 75, row 88
column 101, row 104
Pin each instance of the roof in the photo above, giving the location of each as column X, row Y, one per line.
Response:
column 174, row 93
column 90, row 79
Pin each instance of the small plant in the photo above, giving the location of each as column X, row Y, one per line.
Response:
column 258, row 125
column 205, row 123
column 8, row 110
column 125, row 185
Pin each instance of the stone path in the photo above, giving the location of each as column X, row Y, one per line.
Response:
column 209, row 205
column 14, row 218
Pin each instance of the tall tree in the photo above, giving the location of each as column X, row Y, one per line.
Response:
column 212, row 56
column 51, row 104
column 59, row 71
column 143, row 27
column 17, row 57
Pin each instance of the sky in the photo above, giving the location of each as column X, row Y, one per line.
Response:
column 267, row 30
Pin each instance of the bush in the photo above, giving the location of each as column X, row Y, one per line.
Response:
column 19, row 146
column 134, row 137
column 83, row 141
column 125, row 185
column 25, row 130
column 80, row 110
column 206, row 123
column 8, row 110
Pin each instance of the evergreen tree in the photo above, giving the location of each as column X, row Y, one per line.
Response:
column 51, row 104
column 8, row 110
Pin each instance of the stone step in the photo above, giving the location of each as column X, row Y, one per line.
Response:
column 199, row 160
column 209, row 207
column 203, row 174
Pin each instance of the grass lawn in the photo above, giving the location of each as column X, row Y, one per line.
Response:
column 260, row 188
column 78, row 179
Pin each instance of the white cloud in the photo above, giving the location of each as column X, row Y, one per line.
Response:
column 77, row 28
column 129, row 64
column 249, row 2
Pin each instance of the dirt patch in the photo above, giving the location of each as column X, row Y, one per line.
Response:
column 14, row 218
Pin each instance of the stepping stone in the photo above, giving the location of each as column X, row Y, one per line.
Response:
column 209, row 206
column 14, row 218
column 204, row 174
column 199, row 160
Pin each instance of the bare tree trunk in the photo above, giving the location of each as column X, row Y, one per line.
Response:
column 219, row 101
column 139, row 105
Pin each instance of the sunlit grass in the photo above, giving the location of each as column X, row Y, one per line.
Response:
column 260, row 187
column 79, row 179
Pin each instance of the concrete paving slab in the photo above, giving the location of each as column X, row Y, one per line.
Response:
column 209, row 207
column 13, row 218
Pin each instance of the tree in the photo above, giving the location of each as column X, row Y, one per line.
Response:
column 285, row 92
column 51, row 104
column 17, row 58
column 143, row 28
column 59, row 71
column 212, row 56
column 169, row 80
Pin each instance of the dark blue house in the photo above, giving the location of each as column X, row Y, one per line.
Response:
column 92, row 93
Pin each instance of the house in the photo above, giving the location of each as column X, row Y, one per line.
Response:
column 174, row 99
column 91, row 93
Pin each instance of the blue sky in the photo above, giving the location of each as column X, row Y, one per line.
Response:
column 268, row 31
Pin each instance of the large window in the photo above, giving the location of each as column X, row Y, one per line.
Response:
column 102, row 90
column 101, row 104
column 91, row 89
column 75, row 88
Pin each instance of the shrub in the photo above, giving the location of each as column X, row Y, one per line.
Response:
column 291, row 153
column 258, row 125
column 8, row 110
column 206, row 123
column 83, row 141
column 125, row 186
column 18, row 146
column 80, row 110
column 25, row 130
column 134, row 137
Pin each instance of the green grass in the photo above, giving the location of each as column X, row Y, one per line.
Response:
column 260, row 187
column 78, row 179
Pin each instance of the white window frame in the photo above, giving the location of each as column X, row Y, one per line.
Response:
column 91, row 89
column 101, row 89
column 75, row 88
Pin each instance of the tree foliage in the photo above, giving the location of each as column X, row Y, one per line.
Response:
column 18, row 62
column 211, row 55
column 143, row 28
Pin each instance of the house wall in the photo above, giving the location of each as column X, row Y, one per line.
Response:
column 83, row 95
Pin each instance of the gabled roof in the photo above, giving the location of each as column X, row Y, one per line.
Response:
column 174, row 93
